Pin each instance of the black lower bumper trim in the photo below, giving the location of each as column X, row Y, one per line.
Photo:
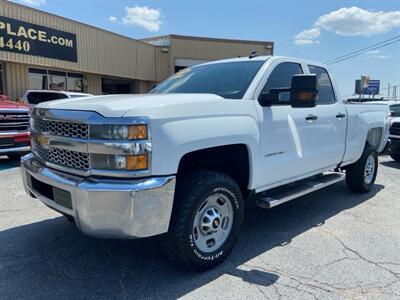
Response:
column 59, row 196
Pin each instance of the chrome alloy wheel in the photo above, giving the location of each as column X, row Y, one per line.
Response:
column 213, row 223
column 369, row 169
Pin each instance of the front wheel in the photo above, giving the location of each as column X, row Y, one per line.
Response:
column 208, row 213
column 360, row 176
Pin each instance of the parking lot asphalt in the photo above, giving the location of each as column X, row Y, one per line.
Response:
column 331, row 244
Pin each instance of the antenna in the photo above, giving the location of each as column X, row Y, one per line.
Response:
column 253, row 54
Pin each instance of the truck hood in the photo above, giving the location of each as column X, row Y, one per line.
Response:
column 119, row 105
column 6, row 104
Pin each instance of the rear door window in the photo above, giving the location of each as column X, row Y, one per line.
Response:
column 39, row 97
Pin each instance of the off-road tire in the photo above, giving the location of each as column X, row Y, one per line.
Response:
column 355, row 173
column 191, row 192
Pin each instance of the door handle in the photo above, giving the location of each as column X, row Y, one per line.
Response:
column 311, row 118
column 340, row 115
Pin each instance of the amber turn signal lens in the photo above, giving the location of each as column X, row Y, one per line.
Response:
column 137, row 162
column 137, row 132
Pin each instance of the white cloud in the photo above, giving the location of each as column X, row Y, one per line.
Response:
column 307, row 37
column 373, row 52
column 145, row 17
column 350, row 21
column 355, row 21
column 376, row 54
column 113, row 19
column 33, row 2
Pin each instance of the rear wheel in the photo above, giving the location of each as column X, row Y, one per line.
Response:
column 208, row 213
column 360, row 176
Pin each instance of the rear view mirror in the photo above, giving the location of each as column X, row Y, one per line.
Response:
column 304, row 92
column 266, row 99
column 272, row 96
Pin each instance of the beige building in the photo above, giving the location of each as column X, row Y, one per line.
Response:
column 39, row 50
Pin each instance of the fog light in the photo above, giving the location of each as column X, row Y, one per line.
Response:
column 119, row 162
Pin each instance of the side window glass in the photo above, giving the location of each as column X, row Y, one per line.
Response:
column 38, row 97
column 326, row 94
column 281, row 78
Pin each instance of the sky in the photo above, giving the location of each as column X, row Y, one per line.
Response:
column 320, row 30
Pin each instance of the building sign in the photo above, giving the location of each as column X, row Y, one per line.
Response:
column 30, row 39
column 367, row 86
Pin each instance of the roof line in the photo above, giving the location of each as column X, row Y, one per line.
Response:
column 189, row 37
column 71, row 20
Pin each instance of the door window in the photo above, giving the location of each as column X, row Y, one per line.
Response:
column 39, row 97
column 325, row 88
column 281, row 78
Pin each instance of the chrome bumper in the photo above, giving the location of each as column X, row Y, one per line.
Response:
column 15, row 149
column 106, row 208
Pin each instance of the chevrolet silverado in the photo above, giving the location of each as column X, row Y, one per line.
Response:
column 181, row 161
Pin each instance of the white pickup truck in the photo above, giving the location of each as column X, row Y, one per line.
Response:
column 181, row 161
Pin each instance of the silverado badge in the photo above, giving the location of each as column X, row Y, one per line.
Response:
column 43, row 140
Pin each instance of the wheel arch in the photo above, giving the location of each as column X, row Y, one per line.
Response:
column 233, row 160
column 374, row 137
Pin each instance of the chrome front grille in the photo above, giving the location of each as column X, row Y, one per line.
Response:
column 66, row 158
column 62, row 139
column 14, row 121
column 65, row 129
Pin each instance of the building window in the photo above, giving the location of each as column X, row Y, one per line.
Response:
column 116, row 86
column 1, row 80
column 38, row 79
column 75, row 82
column 57, row 81
column 41, row 79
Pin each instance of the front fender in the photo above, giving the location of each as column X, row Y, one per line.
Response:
column 175, row 138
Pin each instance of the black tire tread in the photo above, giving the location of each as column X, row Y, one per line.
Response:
column 173, row 242
column 355, row 172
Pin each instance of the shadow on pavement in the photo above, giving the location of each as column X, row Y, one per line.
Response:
column 6, row 163
column 391, row 164
column 52, row 258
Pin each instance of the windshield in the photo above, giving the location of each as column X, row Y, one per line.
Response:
column 228, row 80
column 395, row 110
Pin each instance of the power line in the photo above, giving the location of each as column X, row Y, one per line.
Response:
column 363, row 50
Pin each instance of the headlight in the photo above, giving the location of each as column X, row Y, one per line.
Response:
column 119, row 132
column 120, row 162
column 120, row 147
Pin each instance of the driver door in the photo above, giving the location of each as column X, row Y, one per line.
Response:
column 288, row 135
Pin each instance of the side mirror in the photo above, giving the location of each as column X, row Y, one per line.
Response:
column 304, row 92
column 273, row 96
column 266, row 99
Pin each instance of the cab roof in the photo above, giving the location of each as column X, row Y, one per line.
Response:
column 265, row 58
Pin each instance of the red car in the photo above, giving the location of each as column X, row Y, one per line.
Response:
column 14, row 128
